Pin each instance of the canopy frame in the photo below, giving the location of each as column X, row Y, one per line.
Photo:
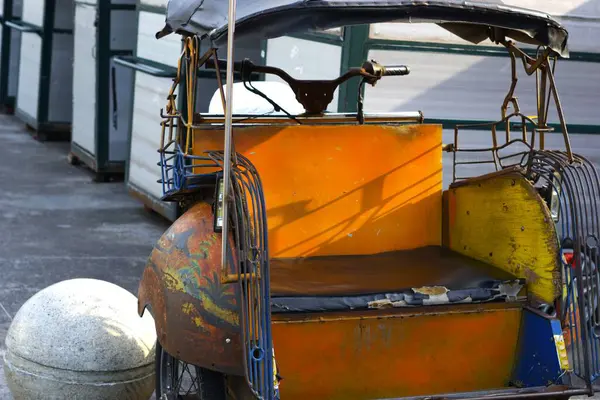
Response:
column 474, row 21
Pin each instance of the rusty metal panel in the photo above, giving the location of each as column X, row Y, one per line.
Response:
column 390, row 354
column 349, row 189
column 500, row 219
column 197, row 317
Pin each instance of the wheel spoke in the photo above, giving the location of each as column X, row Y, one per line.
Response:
column 179, row 380
column 194, row 385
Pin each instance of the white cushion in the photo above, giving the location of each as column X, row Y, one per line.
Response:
column 248, row 103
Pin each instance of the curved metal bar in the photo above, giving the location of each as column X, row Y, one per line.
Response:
column 577, row 184
column 248, row 214
column 510, row 96
column 561, row 116
column 545, row 88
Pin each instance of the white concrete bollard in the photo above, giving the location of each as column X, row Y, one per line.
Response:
column 80, row 339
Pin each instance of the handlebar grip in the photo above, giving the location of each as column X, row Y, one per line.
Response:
column 396, row 70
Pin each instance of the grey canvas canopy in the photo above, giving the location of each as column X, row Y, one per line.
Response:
column 474, row 21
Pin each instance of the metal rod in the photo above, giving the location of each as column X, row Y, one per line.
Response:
column 561, row 116
column 542, row 113
column 228, row 133
column 510, row 96
column 219, row 81
column 495, row 146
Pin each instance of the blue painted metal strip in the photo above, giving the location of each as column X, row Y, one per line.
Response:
column 537, row 359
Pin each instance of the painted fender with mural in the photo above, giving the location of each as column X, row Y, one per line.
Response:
column 318, row 254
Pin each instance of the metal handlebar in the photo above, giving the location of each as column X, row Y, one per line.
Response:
column 399, row 70
column 376, row 69
column 370, row 69
column 314, row 95
column 222, row 64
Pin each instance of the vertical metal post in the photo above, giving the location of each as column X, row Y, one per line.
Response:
column 354, row 52
column 228, row 132
column 542, row 113
column 5, row 52
column 102, row 89
column 45, row 72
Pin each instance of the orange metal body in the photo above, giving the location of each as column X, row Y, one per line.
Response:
column 332, row 190
column 388, row 354
column 329, row 189
column 343, row 189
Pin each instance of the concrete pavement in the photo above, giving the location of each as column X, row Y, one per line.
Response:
column 57, row 224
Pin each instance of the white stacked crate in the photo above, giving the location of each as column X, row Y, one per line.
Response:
column 46, row 66
column 149, row 97
column 101, row 141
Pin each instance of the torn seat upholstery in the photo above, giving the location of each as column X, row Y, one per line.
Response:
column 426, row 276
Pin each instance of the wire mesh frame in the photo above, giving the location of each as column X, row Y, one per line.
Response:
column 543, row 67
column 575, row 182
column 577, row 186
column 496, row 159
column 249, row 224
column 180, row 166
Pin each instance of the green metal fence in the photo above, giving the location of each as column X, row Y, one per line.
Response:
column 356, row 43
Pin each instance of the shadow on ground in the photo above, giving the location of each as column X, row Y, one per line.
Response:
column 57, row 224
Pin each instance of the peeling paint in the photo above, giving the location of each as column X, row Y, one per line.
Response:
column 513, row 224
column 199, row 312
column 432, row 290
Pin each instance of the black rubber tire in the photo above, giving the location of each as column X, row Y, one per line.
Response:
column 211, row 384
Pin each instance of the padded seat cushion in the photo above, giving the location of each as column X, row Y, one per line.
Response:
column 428, row 275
